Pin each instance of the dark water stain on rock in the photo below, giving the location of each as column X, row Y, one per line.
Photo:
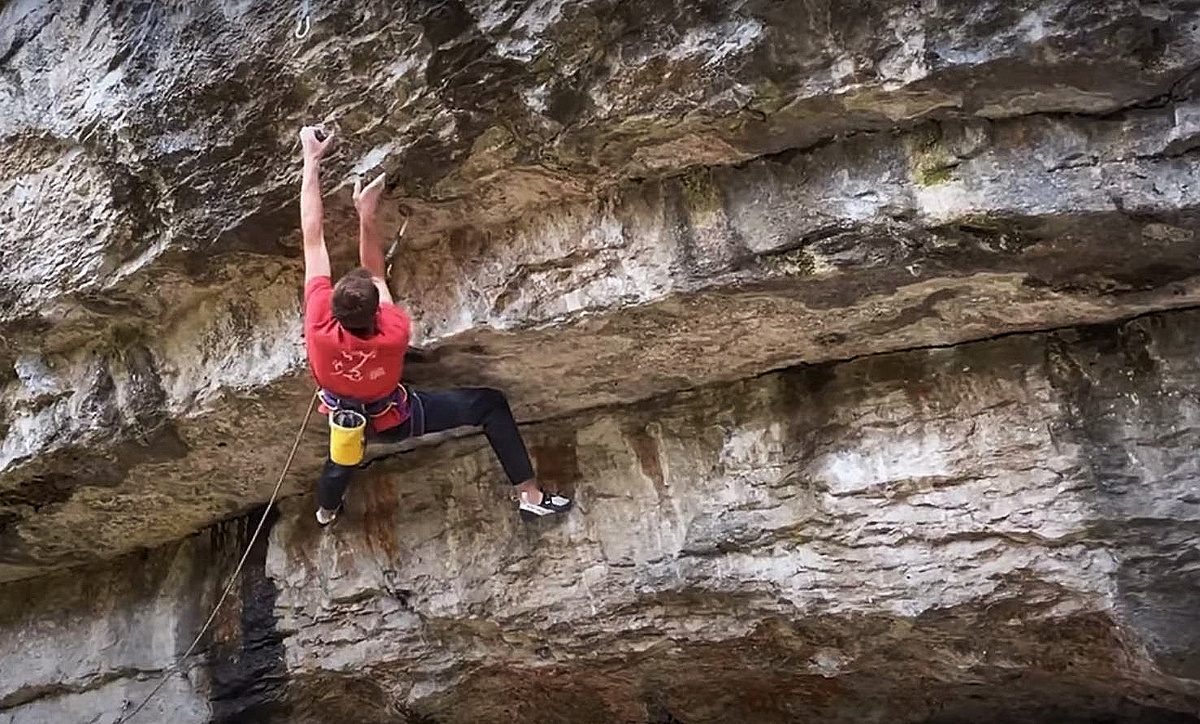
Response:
column 556, row 463
column 645, row 440
column 246, row 656
column 378, row 501
column 1113, row 387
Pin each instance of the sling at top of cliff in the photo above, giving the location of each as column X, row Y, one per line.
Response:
column 609, row 201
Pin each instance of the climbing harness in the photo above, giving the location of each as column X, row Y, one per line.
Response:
column 348, row 421
column 416, row 426
column 304, row 21
column 383, row 414
column 312, row 405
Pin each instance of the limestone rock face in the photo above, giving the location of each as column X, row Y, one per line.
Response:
column 996, row 531
column 757, row 183
column 862, row 330
column 77, row 645
column 988, row 532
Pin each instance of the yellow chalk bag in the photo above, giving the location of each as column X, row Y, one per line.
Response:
column 347, row 437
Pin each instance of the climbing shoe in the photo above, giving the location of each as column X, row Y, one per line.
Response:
column 325, row 517
column 550, row 505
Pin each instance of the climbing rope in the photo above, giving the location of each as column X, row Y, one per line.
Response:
column 236, row 572
column 304, row 21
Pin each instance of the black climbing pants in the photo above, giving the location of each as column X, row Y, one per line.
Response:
column 437, row 411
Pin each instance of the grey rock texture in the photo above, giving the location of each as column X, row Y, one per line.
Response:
column 999, row 531
column 757, row 183
column 88, row 646
column 822, row 308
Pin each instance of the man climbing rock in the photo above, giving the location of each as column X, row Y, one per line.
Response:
column 356, row 338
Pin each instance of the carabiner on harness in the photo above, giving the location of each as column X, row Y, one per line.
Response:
column 303, row 22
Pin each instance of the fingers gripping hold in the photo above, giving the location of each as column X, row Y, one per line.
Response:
column 315, row 140
column 366, row 200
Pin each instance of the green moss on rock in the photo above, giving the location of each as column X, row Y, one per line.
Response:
column 999, row 233
column 795, row 263
column 932, row 162
column 768, row 98
column 702, row 197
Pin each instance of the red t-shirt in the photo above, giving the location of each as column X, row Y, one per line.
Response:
column 349, row 366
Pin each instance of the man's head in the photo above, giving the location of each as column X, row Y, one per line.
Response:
column 355, row 301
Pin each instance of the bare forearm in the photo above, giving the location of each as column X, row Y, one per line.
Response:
column 312, row 210
column 370, row 245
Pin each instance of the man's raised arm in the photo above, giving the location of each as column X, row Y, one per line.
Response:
column 312, row 210
column 370, row 239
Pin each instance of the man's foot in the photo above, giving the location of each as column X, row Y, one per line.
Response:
column 547, row 503
column 325, row 517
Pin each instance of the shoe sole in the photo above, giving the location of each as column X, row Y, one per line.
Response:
column 539, row 510
column 337, row 514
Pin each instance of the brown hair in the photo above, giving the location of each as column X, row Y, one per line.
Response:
column 355, row 301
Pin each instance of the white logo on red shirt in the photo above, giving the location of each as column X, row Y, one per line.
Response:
column 351, row 364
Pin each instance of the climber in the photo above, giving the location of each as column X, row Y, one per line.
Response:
column 356, row 338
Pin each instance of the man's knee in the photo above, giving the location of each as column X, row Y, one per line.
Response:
column 336, row 474
column 331, row 486
column 491, row 401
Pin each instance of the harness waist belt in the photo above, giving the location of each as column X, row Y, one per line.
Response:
column 383, row 414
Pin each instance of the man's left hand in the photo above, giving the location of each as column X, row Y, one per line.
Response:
column 366, row 200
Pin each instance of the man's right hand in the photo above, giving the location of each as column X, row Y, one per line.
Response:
column 314, row 148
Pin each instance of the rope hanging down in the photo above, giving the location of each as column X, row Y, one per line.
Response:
column 236, row 572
